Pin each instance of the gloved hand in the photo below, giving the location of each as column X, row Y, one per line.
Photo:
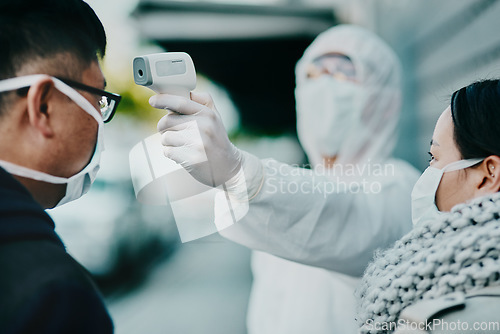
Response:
column 193, row 136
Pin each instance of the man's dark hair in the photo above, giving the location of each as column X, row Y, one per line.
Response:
column 38, row 30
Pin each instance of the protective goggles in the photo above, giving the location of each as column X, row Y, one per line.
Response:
column 334, row 64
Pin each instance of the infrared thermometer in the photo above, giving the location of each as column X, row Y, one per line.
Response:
column 166, row 73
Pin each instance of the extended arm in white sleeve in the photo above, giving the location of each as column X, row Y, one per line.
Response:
column 299, row 215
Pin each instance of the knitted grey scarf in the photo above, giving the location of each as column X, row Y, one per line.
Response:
column 459, row 252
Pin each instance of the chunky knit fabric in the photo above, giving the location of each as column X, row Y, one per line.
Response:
column 459, row 252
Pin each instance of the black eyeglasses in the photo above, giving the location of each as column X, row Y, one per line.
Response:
column 108, row 102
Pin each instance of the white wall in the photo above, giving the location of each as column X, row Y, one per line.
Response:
column 443, row 45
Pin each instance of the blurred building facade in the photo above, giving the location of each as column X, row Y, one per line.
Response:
column 444, row 45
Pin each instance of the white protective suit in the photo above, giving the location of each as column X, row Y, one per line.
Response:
column 331, row 234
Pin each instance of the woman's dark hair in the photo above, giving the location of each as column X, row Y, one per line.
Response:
column 475, row 110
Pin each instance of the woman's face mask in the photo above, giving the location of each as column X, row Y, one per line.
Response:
column 78, row 184
column 423, row 205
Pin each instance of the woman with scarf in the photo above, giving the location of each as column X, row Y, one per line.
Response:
column 454, row 246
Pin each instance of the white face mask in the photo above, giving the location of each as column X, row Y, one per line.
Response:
column 328, row 110
column 423, row 204
column 78, row 184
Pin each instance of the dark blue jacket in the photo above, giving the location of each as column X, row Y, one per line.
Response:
column 42, row 288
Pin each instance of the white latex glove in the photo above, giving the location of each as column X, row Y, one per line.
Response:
column 193, row 136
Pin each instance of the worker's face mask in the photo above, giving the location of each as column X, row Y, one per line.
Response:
column 423, row 196
column 78, row 184
column 328, row 110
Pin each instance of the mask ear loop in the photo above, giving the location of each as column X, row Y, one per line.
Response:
column 461, row 164
column 20, row 82
column 78, row 99
column 84, row 104
column 27, row 80
column 31, row 173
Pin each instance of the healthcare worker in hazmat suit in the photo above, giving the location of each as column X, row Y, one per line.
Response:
column 313, row 230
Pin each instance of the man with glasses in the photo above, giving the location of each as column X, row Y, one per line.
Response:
column 52, row 110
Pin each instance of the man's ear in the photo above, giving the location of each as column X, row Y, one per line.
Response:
column 40, row 106
column 490, row 175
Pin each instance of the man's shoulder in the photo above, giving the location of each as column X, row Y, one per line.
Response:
column 40, row 253
column 21, row 217
column 40, row 278
column 37, row 262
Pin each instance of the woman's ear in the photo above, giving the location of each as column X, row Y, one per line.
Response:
column 39, row 106
column 490, row 175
